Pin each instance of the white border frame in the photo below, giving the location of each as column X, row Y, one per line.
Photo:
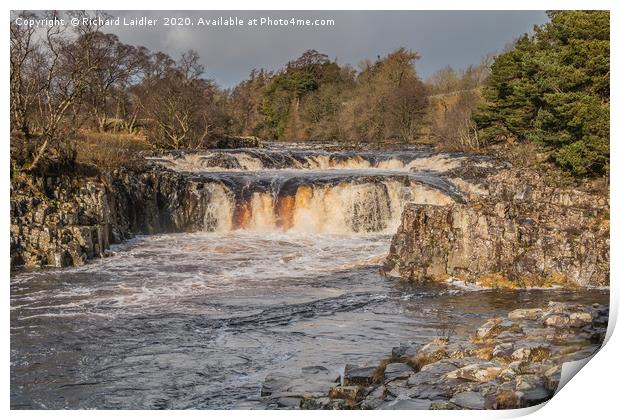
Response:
column 591, row 394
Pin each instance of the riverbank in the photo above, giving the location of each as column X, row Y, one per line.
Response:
column 510, row 362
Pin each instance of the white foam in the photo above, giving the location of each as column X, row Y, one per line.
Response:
column 161, row 271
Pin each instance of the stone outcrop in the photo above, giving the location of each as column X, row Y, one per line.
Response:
column 236, row 142
column 509, row 362
column 65, row 220
column 513, row 230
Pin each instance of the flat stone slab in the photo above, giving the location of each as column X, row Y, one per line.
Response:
column 397, row 371
column 354, row 375
column 289, row 402
column 469, row 400
column 528, row 314
column 406, row 350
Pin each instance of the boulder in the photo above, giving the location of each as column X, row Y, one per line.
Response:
column 528, row 381
column 552, row 377
column 477, row 372
column 488, row 329
column 503, row 350
column 406, row 350
column 557, row 321
column 531, row 352
column 580, row 319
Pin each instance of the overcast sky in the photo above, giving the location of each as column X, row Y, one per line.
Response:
column 456, row 38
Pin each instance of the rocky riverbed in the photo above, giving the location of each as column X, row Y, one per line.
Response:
column 510, row 362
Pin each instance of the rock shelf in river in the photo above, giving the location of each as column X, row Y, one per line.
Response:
column 510, row 362
column 520, row 232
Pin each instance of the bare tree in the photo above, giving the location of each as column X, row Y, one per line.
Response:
column 456, row 130
column 49, row 76
column 116, row 67
column 23, row 88
column 177, row 102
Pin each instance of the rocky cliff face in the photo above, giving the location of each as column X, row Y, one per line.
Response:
column 513, row 231
column 62, row 221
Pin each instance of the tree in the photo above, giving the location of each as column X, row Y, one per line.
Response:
column 246, row 101
column 285, row 96
column 456, row 130
column 23, row 88
column 49, row 77
column 456, row 95
column 389, row 101
column 445, row 80
column 119, row 66
column 179, row 105
column 552, row 88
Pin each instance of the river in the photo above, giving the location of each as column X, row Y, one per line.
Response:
column 284, row 274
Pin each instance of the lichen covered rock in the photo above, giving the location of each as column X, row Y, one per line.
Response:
column 519, row 234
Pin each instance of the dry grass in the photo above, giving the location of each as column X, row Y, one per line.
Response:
column 506, row 399
column 539, row 354
column 419, row 361
column 378, row 375
column 485, row 352
column 416, row 362
column 110, row 150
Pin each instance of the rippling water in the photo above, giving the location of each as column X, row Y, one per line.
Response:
column 198, row 320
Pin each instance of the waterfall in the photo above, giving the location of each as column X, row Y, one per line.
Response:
column 218, row 204
column 311, row 191
column 342, row 208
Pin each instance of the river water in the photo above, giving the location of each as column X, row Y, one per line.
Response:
column 285, row 274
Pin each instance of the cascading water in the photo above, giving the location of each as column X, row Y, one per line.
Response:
column 282, row 273
column 280, row 157
column 342, row 208
column 310, row 191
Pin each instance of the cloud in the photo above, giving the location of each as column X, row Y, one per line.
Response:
column 456, row 38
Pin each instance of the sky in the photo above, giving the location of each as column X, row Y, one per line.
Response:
column 229, row 53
